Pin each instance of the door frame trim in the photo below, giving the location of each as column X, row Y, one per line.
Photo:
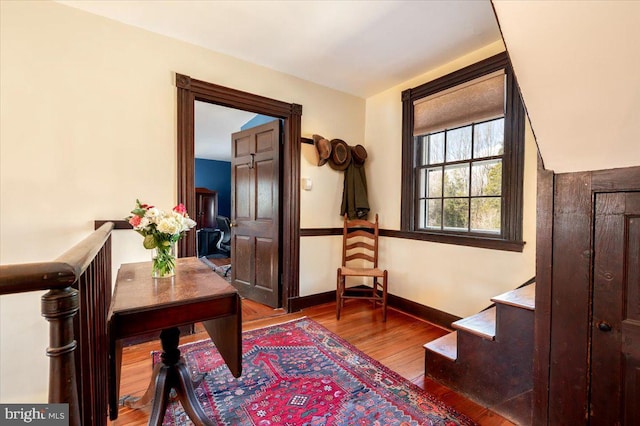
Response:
column 190, row 90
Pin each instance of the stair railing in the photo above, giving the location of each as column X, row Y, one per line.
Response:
column 76, row 306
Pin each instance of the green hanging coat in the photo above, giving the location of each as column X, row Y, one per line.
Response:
column 355, row 201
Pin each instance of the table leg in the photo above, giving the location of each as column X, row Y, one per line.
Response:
column 115, row 361
column 145, row 399
column 160, row 396
column 172, row 373
column 187, row 396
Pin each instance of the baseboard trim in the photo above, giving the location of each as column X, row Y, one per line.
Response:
column 302, row 302
column 427, row 313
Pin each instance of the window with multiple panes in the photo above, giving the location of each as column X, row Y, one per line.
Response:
column 459, row 178
column 463, row 158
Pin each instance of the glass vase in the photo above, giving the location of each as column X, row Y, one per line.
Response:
column 163, row 260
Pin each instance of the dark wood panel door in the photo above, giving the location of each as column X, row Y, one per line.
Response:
column 615, row 331
column 255, row 213
column 207, row 208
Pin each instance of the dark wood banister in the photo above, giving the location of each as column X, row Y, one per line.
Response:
column 77, row 320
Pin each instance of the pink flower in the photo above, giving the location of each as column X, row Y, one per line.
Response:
column 145, row 206
column 135, row 221
column 180, row 208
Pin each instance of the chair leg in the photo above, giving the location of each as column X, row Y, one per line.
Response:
column 374, row 292
column 384, row 298
column 338, row 296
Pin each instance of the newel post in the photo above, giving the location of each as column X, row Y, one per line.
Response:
column 59, row 308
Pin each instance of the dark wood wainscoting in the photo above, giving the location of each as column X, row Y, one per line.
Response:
column 564, row 316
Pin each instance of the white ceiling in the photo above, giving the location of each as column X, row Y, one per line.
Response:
column 577, row 62
column 351, row 46
column 214, row 125
column 359, row 47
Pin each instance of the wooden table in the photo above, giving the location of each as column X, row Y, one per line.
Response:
column 141, row 304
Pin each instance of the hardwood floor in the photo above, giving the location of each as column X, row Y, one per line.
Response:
column 397, row 344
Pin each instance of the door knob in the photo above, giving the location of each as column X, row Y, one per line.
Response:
column 232, row 224
column 604, row 326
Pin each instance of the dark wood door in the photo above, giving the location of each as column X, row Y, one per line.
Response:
column 615, row 345
column 207, row 208
column 255, row 194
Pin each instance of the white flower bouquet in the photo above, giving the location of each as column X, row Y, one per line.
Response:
column 161, row 230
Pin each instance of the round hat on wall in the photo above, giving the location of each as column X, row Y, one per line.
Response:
column 340, row 155
column 359, row 154
column 323, row 148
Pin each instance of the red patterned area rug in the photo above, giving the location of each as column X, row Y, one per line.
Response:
column 299, row 373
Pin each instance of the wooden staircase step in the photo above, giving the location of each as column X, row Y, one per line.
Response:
column 524, row 297
column 492, row 353
column 482, row 324
column 447, row 346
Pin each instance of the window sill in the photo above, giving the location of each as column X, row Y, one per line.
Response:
column 461, row 240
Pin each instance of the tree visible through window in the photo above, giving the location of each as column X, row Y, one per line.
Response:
column 460, row 178
column 463, row 157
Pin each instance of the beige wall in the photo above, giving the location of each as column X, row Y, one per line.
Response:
column 88, row 124
column 455, row 279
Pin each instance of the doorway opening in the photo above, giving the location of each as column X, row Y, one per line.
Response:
column 191, row 90
column 214, row 126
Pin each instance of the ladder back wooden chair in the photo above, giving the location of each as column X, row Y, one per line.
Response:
column 360, row 259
